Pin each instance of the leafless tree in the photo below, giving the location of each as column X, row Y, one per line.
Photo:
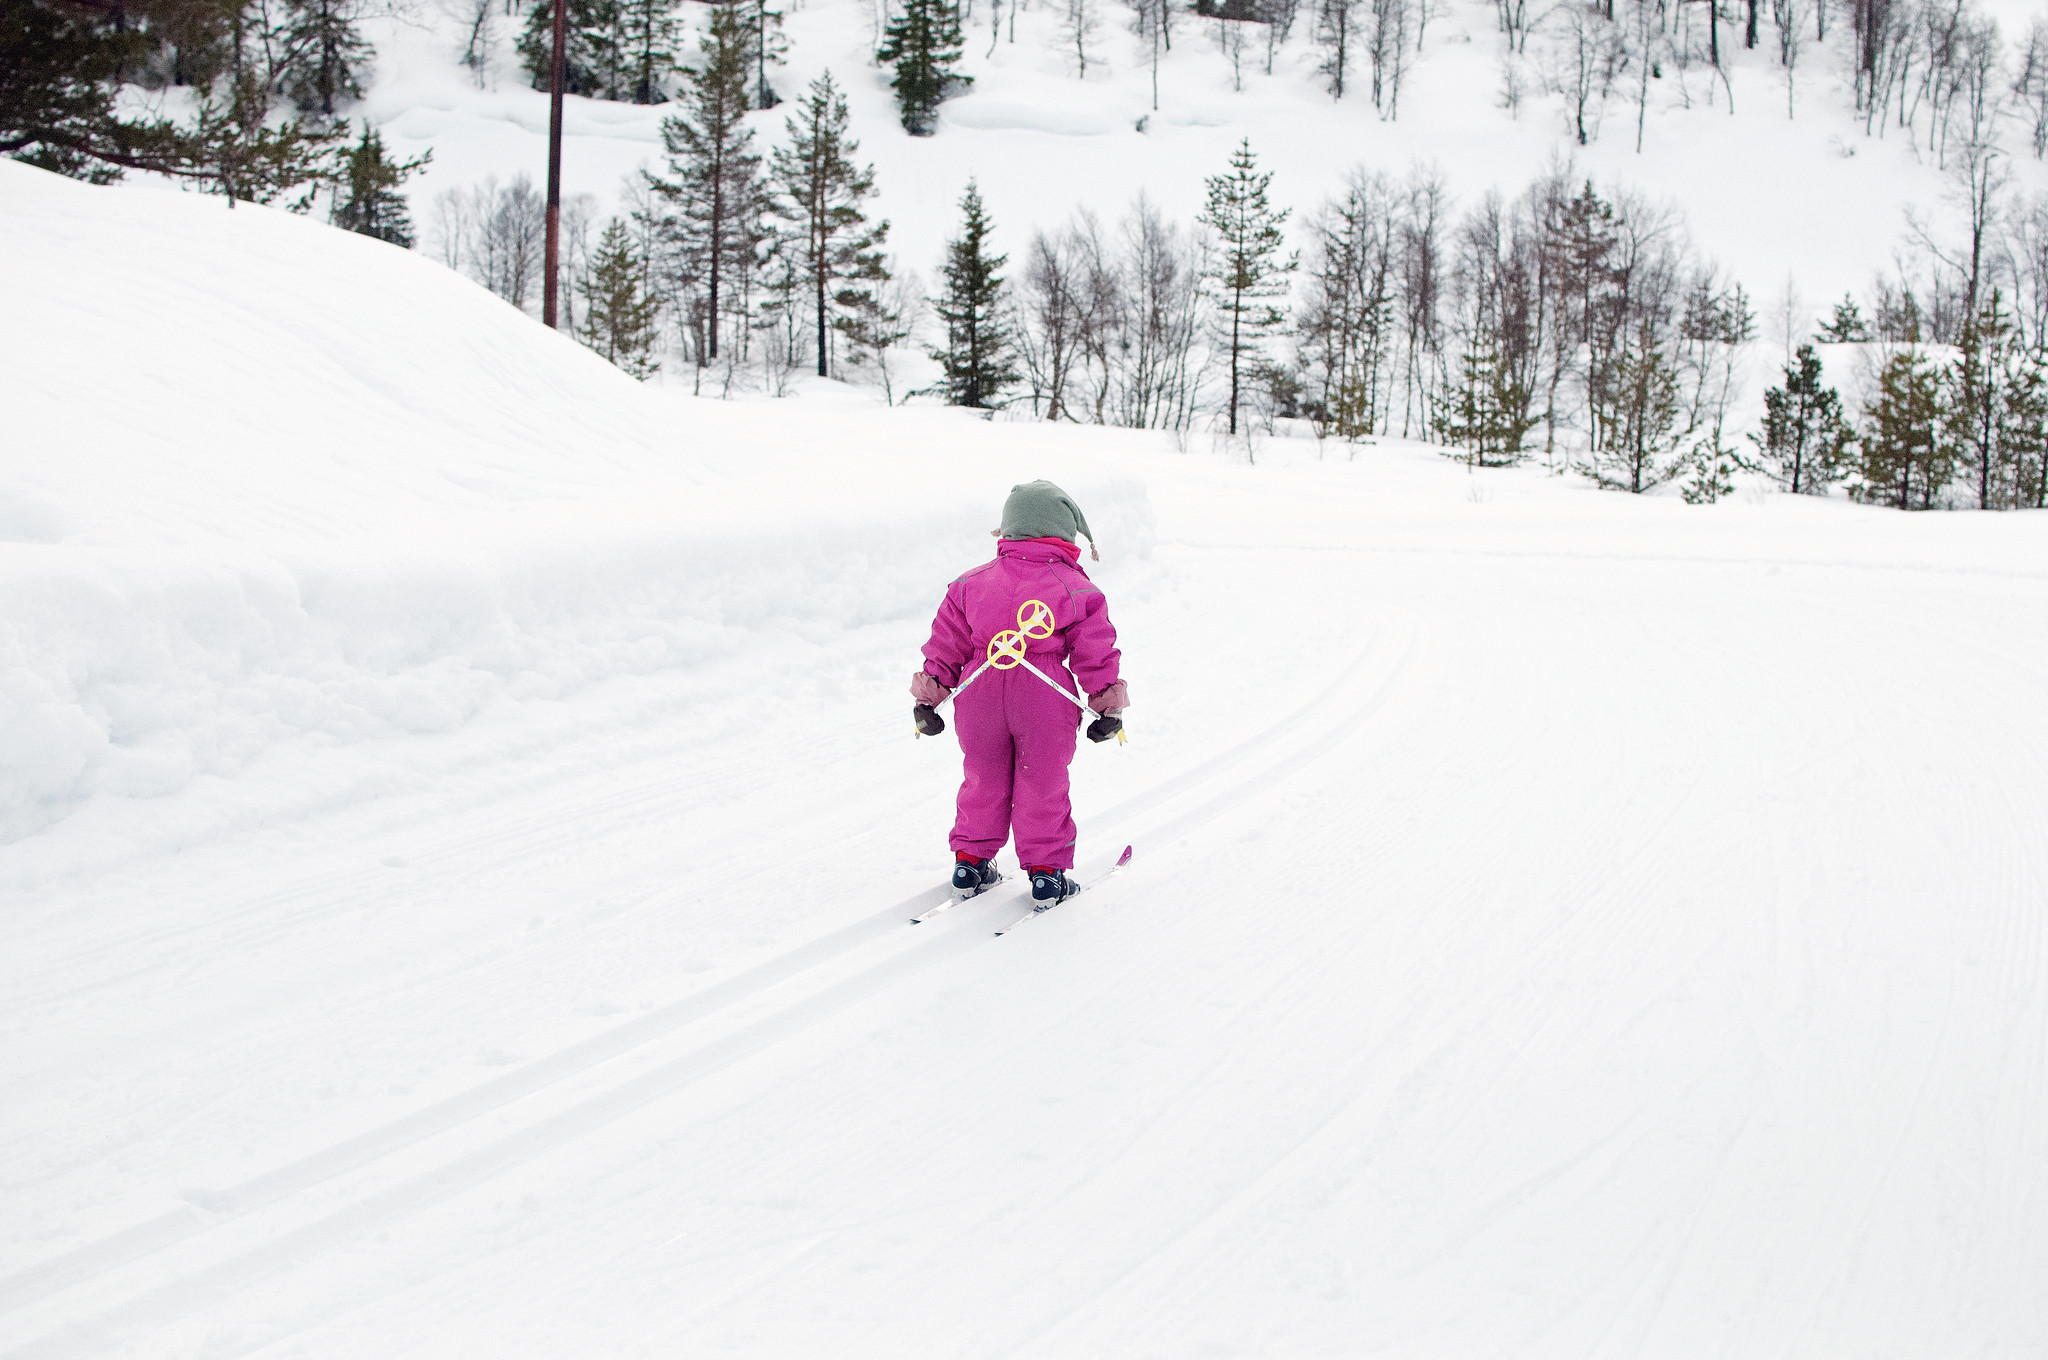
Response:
column 1079, row 26
column 1390, row 42
column 494, row 234
column 1336, row 33
column 1586, row 57
column 1156, row 382
column 2030, row 86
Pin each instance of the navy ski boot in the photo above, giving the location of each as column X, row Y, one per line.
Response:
column 1050, row 887
column 971, row 876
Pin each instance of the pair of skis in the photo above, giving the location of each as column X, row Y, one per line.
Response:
column 1039, row 910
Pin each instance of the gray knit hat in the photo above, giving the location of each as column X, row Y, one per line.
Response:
column 1042, row 510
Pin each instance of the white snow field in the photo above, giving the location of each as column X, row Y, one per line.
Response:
column 462, row 820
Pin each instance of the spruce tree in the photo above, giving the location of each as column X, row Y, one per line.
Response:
column 1582, row 241
column 366, row 197
column 2023, row 424
column 923, row 43
column 62, row 73
column 238, row 153
column 651, row 33
column 327, row 56
column 65, row 73
column 818, row 191
column 1487, row 414
column 1805, row 436
column 1710, row 472
column 1904, row 463
column 1247, row 272
column 593, row 51
column 1973, row 397
column 980, row 353
column 714, row 177
column 764, row 25
column 618, row 308
column 1846, row 326
column 1643, row 446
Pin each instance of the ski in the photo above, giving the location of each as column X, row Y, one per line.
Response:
column 955, row 900
column 1079, row 888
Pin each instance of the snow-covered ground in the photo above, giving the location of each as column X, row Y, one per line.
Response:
column 462, row 817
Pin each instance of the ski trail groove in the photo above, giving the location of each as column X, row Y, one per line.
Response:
column 169, row 1229
column 37, row 1283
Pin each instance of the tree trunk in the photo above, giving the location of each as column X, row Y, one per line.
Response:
column 820, row 272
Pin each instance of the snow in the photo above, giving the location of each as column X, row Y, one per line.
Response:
column 461, row 818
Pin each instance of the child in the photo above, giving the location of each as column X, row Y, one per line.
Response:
column 1016, row 733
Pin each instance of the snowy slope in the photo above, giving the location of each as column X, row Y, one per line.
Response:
column 1563, row 924
column 273, row 488
column 1811, row 199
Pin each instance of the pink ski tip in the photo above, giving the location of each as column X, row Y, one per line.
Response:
column 1124, row 858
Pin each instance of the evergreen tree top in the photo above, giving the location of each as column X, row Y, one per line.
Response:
column 1846, row 326
column 1248, row 227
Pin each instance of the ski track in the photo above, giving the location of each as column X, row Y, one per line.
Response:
column 1383, row 660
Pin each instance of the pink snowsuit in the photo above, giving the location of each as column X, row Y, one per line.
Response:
column 1017, row 735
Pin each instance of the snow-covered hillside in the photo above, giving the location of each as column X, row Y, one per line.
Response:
column 463, row 819
column 1810, row 200
column 273, row 487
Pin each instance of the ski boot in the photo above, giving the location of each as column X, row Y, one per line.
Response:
column 972, row 876
column 1050, row 887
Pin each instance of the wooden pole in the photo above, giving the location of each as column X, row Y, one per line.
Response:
column 554, row 246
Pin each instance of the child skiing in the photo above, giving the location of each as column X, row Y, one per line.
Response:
column 1032, row 602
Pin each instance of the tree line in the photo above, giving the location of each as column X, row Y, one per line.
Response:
column 1563, row 324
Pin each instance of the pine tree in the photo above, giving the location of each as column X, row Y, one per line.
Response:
column 1247, row 271
column 593, row 50
column 1904, row 460
column 1643, row 445
column 1487, row 414
column 1973, row 397
column 1710, row 473
column 818, row 192
column 1805, row 436
column 980, row 353
column 714, row 183
column 618, row 308
column 326, row 56
column 62, row 77
column 366, row 199
column 1846, row 326
column 2023, row 424
column 650, row 34
column 764, row 27
column 923, row 42
column 244, row 157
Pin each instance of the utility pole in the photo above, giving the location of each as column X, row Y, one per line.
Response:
column 554, row 248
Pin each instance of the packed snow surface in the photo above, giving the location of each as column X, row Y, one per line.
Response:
column 463, row 819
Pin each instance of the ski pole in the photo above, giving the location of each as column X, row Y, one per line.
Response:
column 1006, row 652
column 963, row 685
column 1062, row 690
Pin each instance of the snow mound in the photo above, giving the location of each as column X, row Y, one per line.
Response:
column 336, row 492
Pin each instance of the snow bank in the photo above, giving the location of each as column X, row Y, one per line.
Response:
column 340, row 493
